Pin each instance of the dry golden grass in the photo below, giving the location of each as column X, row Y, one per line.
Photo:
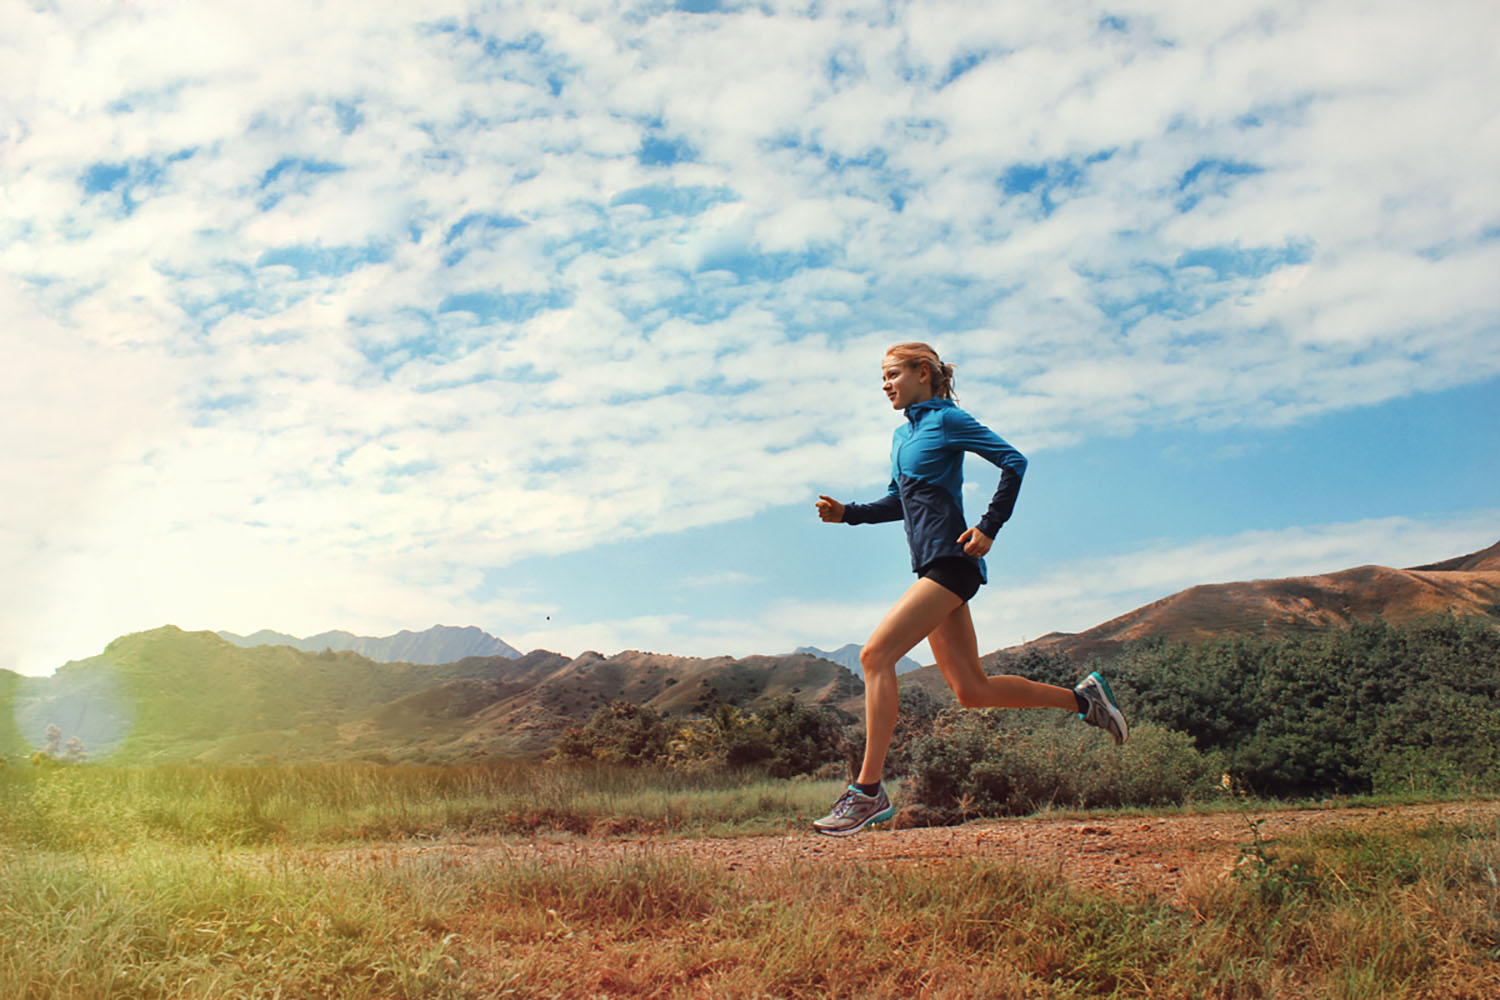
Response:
column 1400, row 912
column 1340, row 916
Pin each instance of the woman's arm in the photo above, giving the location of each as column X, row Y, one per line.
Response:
column 965, row 432
column 887, row 508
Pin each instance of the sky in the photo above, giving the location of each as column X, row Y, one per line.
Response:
column 555, row 318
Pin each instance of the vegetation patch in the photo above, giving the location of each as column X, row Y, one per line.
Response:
column 1370, row 709
column 102, row 807
column 1388, row 913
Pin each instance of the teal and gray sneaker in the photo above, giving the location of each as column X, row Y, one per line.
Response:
column 1103, row 712
column 854, row 811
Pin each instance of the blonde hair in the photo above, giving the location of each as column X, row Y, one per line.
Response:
column 914, row 353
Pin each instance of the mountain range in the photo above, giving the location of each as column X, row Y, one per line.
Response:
column 166, row 694
column 439, row 644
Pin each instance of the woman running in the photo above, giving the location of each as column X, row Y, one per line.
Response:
column 927, row 454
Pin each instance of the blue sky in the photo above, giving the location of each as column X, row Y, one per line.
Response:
column 554, row 318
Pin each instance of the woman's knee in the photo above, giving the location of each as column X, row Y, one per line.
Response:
column 972, row 696
column 876, row 662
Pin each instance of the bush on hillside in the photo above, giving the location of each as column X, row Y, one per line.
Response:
column 725, row 737
column 785, row 738
column 1004, row 763
column 618, row 733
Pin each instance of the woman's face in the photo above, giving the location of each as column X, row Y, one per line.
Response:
column 904, row 384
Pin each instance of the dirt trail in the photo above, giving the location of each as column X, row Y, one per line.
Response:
column 1151, row 854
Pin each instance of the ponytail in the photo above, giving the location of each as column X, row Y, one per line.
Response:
column 917, row 353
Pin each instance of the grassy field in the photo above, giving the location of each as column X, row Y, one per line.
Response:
column 103, row 807
column 212, row 882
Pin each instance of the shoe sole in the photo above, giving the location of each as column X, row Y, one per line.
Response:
column 889, row 812
column 1119, row 716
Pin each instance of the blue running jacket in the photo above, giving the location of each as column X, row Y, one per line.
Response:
column 927, row 478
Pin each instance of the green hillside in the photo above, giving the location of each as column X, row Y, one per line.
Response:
column 11, row 740
column 167, row 694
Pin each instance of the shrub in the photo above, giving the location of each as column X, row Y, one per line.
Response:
column 1000, row 763
column 783, row 739
column 618, row 733
column 1373, row 706
column 802, row 738
column 726, row 737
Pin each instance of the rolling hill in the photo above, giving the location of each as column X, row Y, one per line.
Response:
column 464, row 719
column 167, row 694
column 171, row 694
column 1465, row 585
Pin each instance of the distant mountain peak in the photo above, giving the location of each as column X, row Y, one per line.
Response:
column 439, row 644
column 847, row 656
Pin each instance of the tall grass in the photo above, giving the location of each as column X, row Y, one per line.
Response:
column 1369, row 914
column 79, row 808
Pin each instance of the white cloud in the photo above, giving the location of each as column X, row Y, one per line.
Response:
column 345, row 286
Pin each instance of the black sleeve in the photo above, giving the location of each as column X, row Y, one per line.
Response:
column 887, row 508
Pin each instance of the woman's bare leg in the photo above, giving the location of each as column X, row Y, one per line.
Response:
column 957, row 653
column 920, row 610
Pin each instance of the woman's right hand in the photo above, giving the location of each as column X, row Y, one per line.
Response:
column 830, row 509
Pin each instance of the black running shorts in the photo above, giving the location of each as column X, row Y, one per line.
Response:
column 954, row 573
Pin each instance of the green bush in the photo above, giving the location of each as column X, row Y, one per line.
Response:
column 725, row 737
column 999, row 763
column 1371, row 707
column 802, row 738
column 785, row 738
column 618, row 733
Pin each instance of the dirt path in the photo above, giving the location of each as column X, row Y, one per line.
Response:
column 1151, row 854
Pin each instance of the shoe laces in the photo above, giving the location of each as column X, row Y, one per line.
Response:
column 845, row 804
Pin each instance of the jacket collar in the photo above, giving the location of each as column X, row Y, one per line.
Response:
column 915, row 410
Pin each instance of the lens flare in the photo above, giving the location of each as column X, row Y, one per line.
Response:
column 82, row 712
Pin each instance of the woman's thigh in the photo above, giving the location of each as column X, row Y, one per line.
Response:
column 956, row 650
column 923, row 607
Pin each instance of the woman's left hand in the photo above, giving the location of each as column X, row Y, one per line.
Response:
column 975, row 542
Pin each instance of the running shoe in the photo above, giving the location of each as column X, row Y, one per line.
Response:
column 854, row 811
column 1103, row 712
